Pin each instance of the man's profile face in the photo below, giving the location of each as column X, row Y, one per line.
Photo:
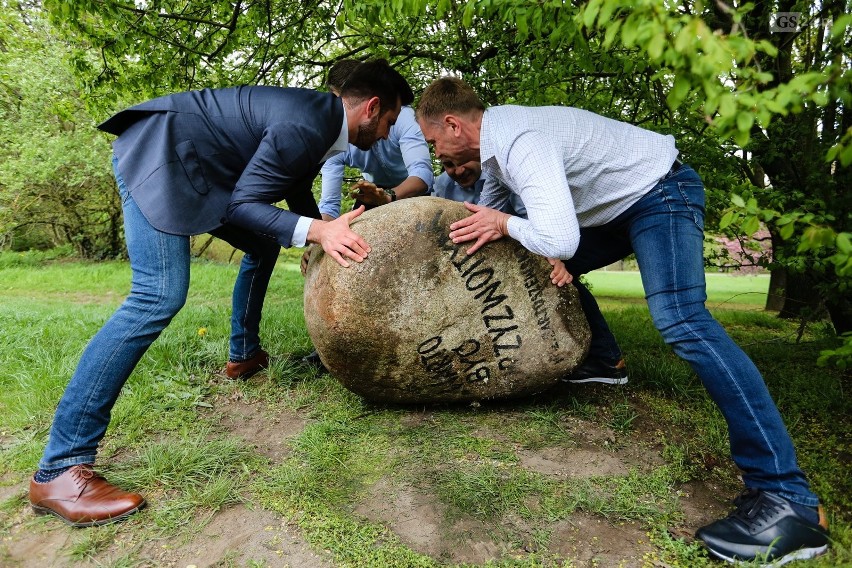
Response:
column 376, row 128
column 447, row 143
column 466, row 174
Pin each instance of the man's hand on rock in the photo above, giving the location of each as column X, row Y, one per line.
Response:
column 303, row 265
column 367, row 192
column 485, row 225
column 338, row 240
column 559, row 275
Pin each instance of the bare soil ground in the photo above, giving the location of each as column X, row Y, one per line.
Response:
column 245, row 534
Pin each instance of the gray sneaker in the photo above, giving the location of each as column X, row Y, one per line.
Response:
column 764, row 527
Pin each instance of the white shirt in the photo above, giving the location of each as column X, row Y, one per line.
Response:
column 300, row 233
column 572, row 168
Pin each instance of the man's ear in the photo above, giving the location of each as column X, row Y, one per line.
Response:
column 373, row 107
column 453, row 123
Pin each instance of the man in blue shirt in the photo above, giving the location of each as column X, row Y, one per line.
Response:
column 395, row 168
column 465, row 183
column 605, row 363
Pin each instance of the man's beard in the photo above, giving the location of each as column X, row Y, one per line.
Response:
column 366, row 136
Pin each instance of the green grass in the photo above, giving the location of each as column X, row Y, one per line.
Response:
column 166, row 441
column 723, row 290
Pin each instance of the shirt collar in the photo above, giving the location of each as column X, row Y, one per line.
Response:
column 342, row 142
column 486, row 148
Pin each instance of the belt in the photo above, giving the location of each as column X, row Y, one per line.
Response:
column 675, row 167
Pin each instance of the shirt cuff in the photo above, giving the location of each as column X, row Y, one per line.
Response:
column 513, row 225
column 329, row 210
column 300, row 233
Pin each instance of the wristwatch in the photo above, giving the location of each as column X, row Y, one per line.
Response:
column 391, row 193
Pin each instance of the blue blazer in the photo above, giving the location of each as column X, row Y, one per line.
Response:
column 194, row 161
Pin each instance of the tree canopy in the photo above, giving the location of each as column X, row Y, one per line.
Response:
column 758, row 103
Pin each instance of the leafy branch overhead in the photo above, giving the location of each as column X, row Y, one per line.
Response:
column 760, row 109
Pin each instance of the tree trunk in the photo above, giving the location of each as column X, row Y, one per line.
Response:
column 777, row 274
column 839, row 306
column 777, row 289
column 801, row 301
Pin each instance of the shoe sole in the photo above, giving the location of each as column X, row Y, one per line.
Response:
column 801, row 554
column 246, row 375
column 38, row 510
column 603, row 380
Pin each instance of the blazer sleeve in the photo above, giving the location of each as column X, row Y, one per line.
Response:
column 282, row 169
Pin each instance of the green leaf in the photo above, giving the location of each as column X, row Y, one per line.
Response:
column 840, row 26
column 591, row 12
column 787, row 231
column 523, row 28
column 745, row 120
column 846, row 155
column 611, row 32
column 832, row 153
column 629, row 31
column 679, row 91
column 737, row 200
column 742, row 138
column 656, row 45
column 751, row 225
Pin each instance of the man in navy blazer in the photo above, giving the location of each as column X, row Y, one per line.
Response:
column 212, row 161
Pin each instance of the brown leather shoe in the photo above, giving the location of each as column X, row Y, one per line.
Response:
column 83, row 498
column 245, row 369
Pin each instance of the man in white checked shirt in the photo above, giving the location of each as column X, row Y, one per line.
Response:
column 597, row 190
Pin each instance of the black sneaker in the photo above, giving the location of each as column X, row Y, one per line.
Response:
column 312, row 359
column 596, row 371
column 764, row 527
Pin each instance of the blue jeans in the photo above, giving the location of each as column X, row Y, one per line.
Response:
column 160, row 266
column 666, row 231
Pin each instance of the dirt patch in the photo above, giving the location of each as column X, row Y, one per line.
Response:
column 33, row 542
column 240, row 535
column 573, row 462
column 701, row 503
column 417, row 518
column 593, row 541
column 268, row 432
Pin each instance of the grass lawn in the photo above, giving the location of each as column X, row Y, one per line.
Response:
column 291, row 469
column 723, row 290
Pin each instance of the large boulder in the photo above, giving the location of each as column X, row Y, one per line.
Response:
column 421, row 321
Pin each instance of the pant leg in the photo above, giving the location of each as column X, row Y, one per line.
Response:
column 249, row 289
column 160, row 266
column 666, row 230
column 599, row 247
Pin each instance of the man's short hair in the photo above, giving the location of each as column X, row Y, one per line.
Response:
column 448, row 95
column 339, row 72
column 377, row 78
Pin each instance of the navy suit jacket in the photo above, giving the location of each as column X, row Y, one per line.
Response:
column 194, row 161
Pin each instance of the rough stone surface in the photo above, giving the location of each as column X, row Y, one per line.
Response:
column 421, row 321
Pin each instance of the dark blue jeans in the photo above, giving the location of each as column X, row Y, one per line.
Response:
column 666, row 231
column 160, row 266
